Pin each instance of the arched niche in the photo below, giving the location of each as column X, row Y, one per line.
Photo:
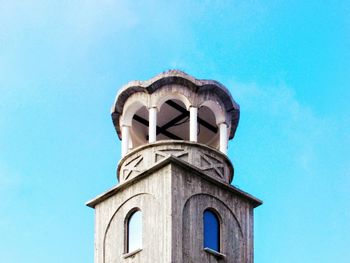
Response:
column 173, row 121
column 208, row 132
column 231, row 236
column 114, row 233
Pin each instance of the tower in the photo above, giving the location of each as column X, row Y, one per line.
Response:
column 174, row 201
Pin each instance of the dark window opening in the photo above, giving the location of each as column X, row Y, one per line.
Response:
column 211, row 225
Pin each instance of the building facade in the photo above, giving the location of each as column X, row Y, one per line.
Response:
column 174, row 201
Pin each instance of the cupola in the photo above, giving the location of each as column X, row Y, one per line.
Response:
column 175, row 106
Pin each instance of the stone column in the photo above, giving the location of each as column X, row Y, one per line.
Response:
column 223, row 137
column 193, row 124
column 152, row 128
column 125, row 139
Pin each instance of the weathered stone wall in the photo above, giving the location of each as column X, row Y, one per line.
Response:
column 152, row 197
column 192, row 194
column 172, row 197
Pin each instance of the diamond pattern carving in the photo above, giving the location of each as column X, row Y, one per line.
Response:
column 179, row 153
column 133, row 167
column 210, row 164
column 206, row 160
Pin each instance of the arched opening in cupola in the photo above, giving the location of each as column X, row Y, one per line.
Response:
column 208, row 132
column 173, row 121
column 139, row 128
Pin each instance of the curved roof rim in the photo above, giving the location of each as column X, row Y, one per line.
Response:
column 167, row 78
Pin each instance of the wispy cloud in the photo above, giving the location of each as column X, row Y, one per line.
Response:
column 306, row 133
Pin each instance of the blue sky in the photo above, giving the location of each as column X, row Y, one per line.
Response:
column 286, row 63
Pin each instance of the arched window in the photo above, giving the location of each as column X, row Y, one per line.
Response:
column 211, row 225
column 134, row 231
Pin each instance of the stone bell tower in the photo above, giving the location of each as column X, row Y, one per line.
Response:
column 174, row 201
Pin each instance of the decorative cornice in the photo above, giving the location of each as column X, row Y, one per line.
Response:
column 173, row 160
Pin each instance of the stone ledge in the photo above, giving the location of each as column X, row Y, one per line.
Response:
column 132, row 253
column 214, row 252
